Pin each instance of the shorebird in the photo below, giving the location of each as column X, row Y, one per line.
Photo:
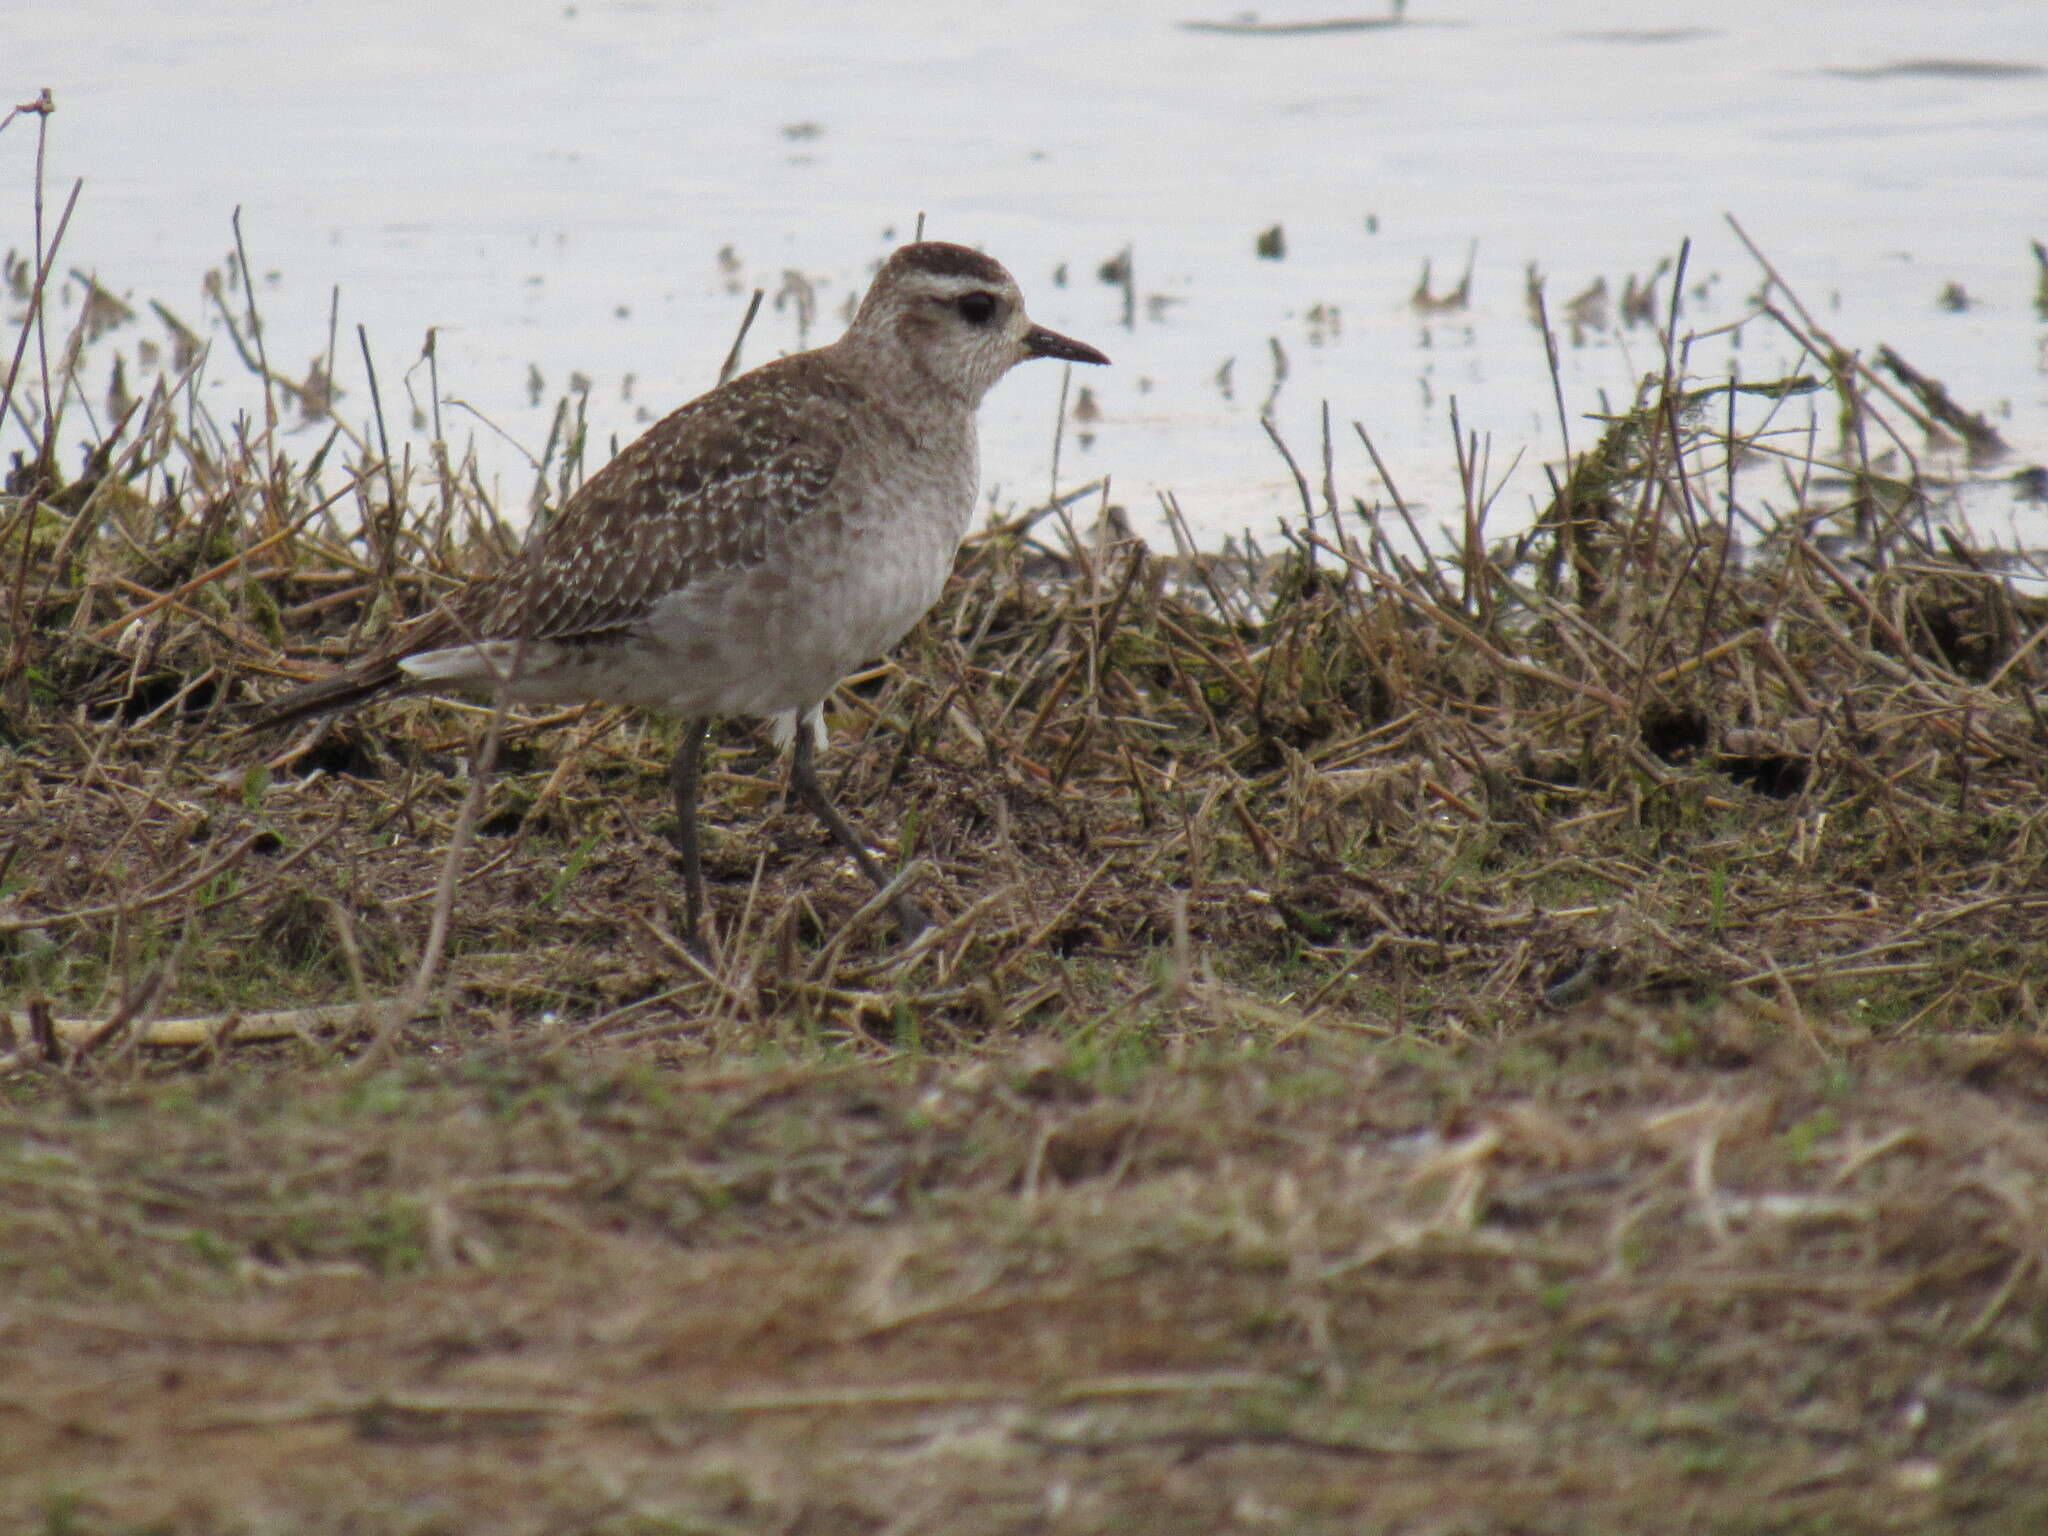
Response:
column 750, row 549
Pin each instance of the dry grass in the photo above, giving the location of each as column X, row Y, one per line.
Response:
column 1561, row 1285
column 1620, row 753
column 1538, row 1035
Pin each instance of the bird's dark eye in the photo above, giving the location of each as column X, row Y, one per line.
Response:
column 976, row 308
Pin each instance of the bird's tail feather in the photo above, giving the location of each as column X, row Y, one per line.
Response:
column 344, row 690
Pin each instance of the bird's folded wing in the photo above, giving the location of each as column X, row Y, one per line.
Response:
column 713, row 487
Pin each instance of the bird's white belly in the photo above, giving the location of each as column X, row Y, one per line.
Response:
column 755, row 642
column 777, row 640
column 774, row 638
column 835, row 592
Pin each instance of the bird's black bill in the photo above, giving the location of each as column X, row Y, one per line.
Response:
column 1039, row 342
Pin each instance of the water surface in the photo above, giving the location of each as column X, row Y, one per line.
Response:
column 551, row 187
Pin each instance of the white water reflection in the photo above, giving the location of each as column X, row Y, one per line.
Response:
column 551, row 186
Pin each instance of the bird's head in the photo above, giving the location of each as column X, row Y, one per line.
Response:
column 955, row 317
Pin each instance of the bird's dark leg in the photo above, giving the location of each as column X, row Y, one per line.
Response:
column 682, row 778
column 803, row 774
